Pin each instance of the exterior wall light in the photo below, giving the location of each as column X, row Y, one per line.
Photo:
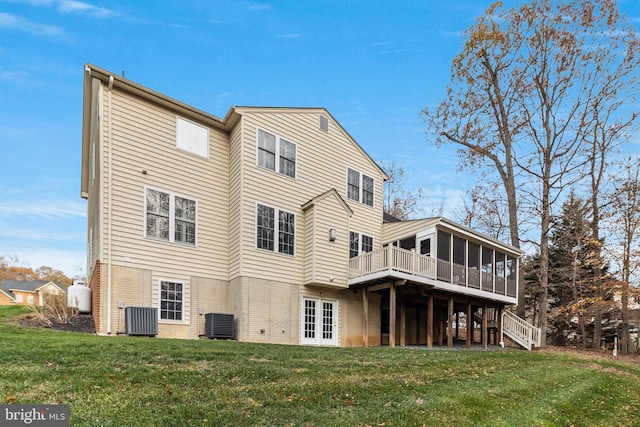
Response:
column 332, row 234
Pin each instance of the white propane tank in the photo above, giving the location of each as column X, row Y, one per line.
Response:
column 79, row 296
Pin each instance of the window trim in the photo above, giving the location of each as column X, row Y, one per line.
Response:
column 183, row 311
column 172, row 217
column 277, row 154
column 276, row 229
column 361, row 191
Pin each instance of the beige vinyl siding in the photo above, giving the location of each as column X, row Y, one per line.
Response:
column 392, row 231
column 326, row 259
column 144, row 140
column 235, row 202
column 322, row 160
column 94, row 235
column 310, row 237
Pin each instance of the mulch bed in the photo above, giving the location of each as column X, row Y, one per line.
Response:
column 81, row 323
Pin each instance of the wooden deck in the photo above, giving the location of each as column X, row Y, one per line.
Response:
column 394, row 263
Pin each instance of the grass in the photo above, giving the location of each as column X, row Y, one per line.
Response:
column 131, row 381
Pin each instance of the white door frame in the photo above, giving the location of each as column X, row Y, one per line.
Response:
column 316, row 328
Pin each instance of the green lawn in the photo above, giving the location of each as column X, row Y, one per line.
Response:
column 130, row 381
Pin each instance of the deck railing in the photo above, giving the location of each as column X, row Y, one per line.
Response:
column 409, row 262
column 521, row 331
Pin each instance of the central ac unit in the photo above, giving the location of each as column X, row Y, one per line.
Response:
column 219, row 325
column 141, row 321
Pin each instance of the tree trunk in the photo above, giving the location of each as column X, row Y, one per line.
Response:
column 545, row 224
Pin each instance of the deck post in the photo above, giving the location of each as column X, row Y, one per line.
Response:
column 392, row 315
column 485, row 324
column 457, row 324
column 403, row 323
column 450, row 323
column 499, row 323
column 430, row 321
column 469, row 325
column 441, row 326
column 365, row 317
column 414, row 262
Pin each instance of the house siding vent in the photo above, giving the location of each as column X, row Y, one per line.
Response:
column 219, row 325
column 141, row 321
column 324, row 124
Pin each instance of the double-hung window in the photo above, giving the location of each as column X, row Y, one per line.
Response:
column 359, row 244
column 276, row 153
column 275, row 225
column 171, row 300
column 359, row 187
column 170, row 217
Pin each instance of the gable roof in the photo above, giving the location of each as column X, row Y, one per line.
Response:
column 234, row 110
column 333, row 192
column 8, row 286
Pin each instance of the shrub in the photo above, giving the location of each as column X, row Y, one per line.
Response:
column 54, row 308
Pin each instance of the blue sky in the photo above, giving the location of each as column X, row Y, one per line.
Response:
column 373, row 64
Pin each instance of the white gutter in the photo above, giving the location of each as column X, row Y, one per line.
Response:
column 109, row 207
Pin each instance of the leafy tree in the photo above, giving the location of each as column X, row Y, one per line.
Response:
column 573, row 256
column 53, row 275
column 12, row 268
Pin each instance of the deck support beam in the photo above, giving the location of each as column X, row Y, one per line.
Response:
column 499, row 337
column 485, row 324
column 430, row 321
column 392, row 315
column 450, row 323
column 365, row 317
column 403, row 323
column 469, row 325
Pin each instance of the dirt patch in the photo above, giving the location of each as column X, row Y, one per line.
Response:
column 81, row 323
column 595, row 353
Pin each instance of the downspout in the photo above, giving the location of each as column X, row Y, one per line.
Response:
column 109, row 207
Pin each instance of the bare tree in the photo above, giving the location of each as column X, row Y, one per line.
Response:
column 521, row 99
column 485, row 210
column 625, row 211
column 398, row 201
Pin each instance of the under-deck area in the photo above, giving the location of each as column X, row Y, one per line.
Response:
column 414, row 315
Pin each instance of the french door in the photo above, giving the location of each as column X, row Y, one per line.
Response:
column 319, row 322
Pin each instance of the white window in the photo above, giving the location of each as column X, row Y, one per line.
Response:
column 171, row 300
column 267, row 229
column 170, row 217
column 19, row 298
column 359, row 244
column 29, row 299
column 276, row 153
column 359, row 187
column 192, row 137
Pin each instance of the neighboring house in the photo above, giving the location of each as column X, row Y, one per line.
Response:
column 273, row 215
column 28, row 292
